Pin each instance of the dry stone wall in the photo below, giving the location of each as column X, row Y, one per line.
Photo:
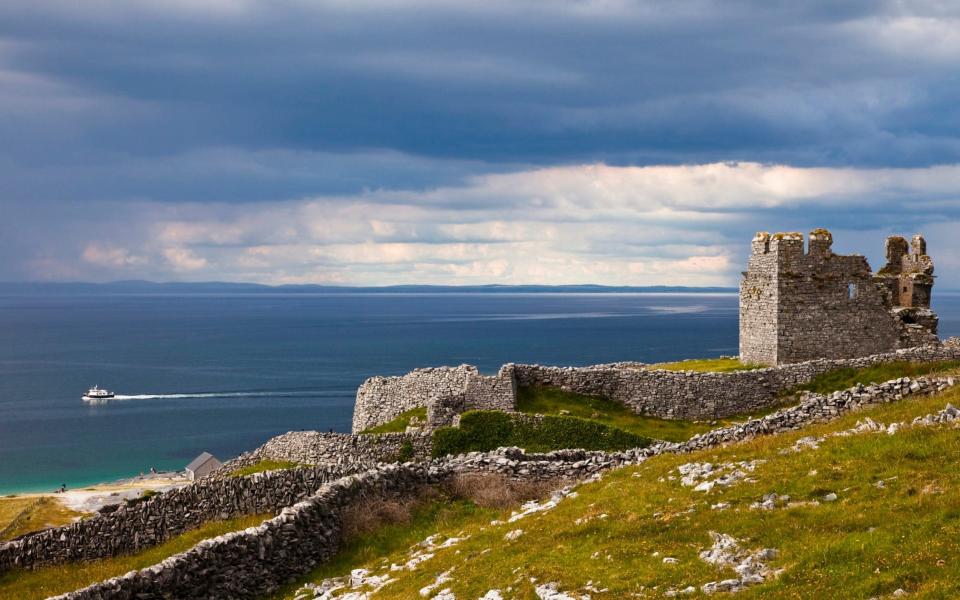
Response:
column 347, row 451
column 655, row 392
column 256, row 561
column 703, row 396
column 145, row 524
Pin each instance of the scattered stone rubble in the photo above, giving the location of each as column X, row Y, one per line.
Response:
column 551, row 591
column 698, row 475
column 751, row 567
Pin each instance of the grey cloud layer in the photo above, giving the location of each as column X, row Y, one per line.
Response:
column 433, row 120
column 601, row 224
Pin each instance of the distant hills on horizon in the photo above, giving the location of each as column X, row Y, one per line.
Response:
column 214, row 287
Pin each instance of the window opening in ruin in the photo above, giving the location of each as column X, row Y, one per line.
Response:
column 851, row 291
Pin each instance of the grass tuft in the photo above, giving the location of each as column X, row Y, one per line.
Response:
column 264, row 466
column 400, row 422
column 712, row 365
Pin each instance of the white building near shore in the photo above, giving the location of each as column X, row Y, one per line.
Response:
column 202, row 466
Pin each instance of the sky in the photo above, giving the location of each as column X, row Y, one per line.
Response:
column 377, row 142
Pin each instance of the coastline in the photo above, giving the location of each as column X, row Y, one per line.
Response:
column 91, row 498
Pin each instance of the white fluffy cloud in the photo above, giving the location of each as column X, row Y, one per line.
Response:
column 679, row 225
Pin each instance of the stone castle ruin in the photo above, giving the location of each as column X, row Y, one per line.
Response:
column 798, row 305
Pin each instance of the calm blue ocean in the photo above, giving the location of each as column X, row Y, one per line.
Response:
column 223, row 373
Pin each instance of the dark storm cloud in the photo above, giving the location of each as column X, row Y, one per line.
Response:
column 130, row 118
column 542, row 82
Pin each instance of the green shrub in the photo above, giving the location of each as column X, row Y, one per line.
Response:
column 553, row 401
column 488, row 430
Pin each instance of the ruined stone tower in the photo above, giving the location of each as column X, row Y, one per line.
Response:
column 798, row 305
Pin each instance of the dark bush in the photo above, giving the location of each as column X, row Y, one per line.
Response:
column 406, row 452
column 488, row 430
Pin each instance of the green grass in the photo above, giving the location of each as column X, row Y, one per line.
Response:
column 487, row 430
column 265, row 465
column 714, row 365
column 25, row 514
column 616, row 532
column 400, row 423
column 552, row 401
column 448, row 514
column 840, row 379
column 49, row 581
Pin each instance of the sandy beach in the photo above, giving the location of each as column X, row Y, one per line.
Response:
column 92, row 498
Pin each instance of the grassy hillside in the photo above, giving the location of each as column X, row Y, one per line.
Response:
column 867, row 514
column 23, row 514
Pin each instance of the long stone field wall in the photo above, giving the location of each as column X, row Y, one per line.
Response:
column 654, row 392
column 142, row 525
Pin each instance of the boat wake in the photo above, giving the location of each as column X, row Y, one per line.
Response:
column 258, row 394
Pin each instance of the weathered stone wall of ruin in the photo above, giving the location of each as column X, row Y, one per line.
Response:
column 254, row 562
column 382, row 399
column 445, row 391
column 702, row 396
column 495, row 392
column 759, row 296
column 821, row 316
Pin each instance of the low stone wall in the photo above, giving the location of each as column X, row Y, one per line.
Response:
column 256, row 561
column 703, row 396
column 138, row 526
column 351, row 452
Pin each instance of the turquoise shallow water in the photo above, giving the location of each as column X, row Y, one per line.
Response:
column 223, row 373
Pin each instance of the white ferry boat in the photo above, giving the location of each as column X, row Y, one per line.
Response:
column 95, row 393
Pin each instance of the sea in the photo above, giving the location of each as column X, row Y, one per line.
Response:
column 224, row 372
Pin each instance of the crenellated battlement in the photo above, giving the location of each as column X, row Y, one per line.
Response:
column 801, row 303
